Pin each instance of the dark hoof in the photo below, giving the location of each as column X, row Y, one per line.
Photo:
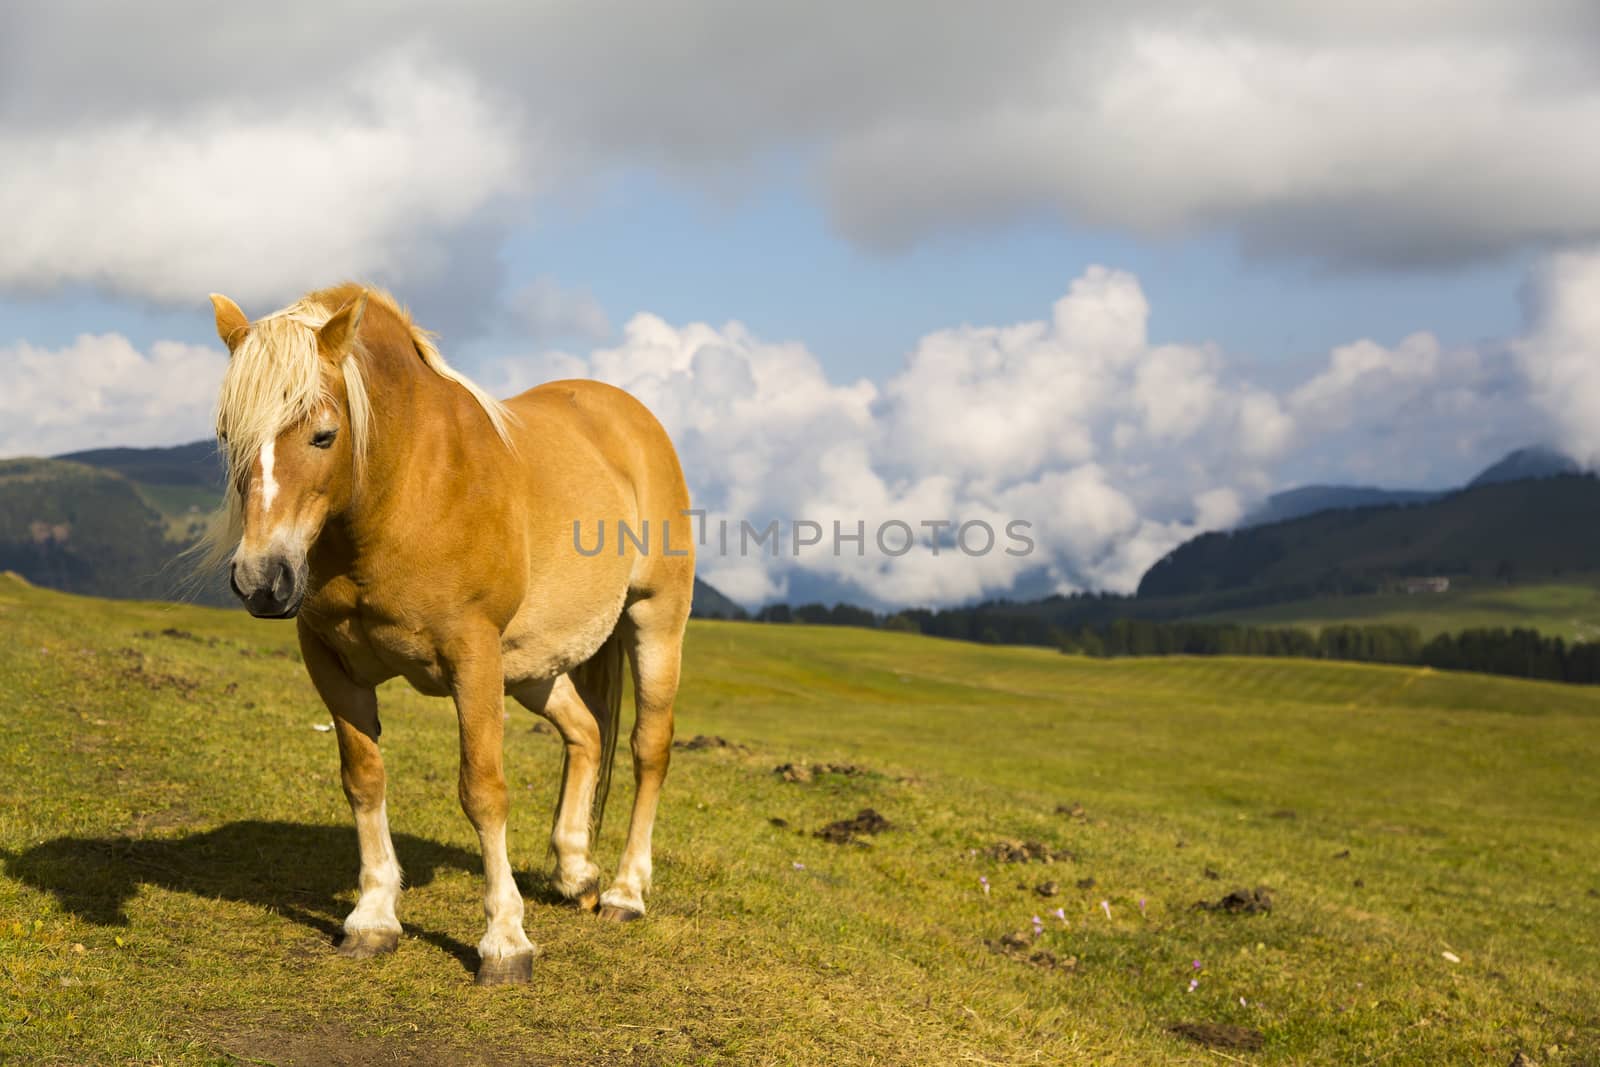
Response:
column 507, row 970
column 619, row 915
column 365, row 944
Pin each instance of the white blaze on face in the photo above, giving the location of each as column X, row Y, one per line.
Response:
column 269, row 486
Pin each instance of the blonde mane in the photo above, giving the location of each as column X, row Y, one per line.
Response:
column 276, row 378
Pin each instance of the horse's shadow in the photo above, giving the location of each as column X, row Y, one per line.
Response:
column 295, row 869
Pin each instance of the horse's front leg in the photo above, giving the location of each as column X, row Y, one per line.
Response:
column 505, row 954
column 372, row 928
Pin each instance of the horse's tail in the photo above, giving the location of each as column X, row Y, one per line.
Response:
column 599, row 682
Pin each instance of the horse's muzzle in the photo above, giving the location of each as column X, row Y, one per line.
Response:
column 271, row 588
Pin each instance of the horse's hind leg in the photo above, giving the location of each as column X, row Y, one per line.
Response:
column 653, row 637
column 577, row 876
column 372, row 928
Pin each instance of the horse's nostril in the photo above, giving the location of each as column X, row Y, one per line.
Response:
column 282, row 582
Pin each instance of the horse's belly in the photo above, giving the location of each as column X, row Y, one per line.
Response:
column 536, row 647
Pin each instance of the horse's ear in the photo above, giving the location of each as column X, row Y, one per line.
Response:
column 340, row 329
column 231, row 323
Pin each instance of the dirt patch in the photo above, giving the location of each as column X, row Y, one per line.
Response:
column 1018, row 946
column 175, row 634
column 848, row 831
column 1283, row 813
column 1072, row 811
column 1047, row 889
column 778, row 822
column 808, row 772
column 1220, row 1035
column 1010, row 851
column 541, row 727
column 133, row 670
column 700, row 742
column 1240, row 902
column 1085, row 883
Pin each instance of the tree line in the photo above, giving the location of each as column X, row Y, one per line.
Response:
column 1516, row 652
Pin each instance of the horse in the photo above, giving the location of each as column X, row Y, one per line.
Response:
column 416, row 527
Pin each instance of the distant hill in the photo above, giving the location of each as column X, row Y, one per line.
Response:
column 1534, row 462
column 1310, row 499
column 73, row 527
column 1520, row 530
column 193, row 464
column 711, row 604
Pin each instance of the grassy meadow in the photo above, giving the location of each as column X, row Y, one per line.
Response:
column 176, row 856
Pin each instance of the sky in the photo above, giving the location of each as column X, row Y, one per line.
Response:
column 1118, row 271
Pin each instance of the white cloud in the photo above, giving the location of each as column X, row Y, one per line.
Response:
column 373, row 182
column 100, row 391
column 1342, row 140
column 1561, row 354
column 1068, row 423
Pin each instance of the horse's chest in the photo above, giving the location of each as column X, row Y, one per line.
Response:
column 375, row 649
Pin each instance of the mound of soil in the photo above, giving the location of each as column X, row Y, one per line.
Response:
column 846, row 831
column 133, row 670
column 700, row 742
column 1220, row 1035
column 1010, row 851
column 805, row 772
column 1047, row 889
column 1018, row 946
column 1240, row 902
column 1073, row 811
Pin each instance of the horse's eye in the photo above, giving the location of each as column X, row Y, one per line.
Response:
column 324, row 438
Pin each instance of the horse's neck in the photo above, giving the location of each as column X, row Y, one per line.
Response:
column 428, row 438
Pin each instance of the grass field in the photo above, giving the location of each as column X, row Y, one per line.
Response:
column 177, row 856
column 1570, row 610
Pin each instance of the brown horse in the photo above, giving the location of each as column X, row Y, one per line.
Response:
column 418, row 528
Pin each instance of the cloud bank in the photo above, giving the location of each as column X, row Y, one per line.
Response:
column 161, row 155
column 1114, row 449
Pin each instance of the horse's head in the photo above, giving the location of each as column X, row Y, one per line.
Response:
column 291, row 419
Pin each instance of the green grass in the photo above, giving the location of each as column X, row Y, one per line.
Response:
column 1570, row 610
column 166, row 805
